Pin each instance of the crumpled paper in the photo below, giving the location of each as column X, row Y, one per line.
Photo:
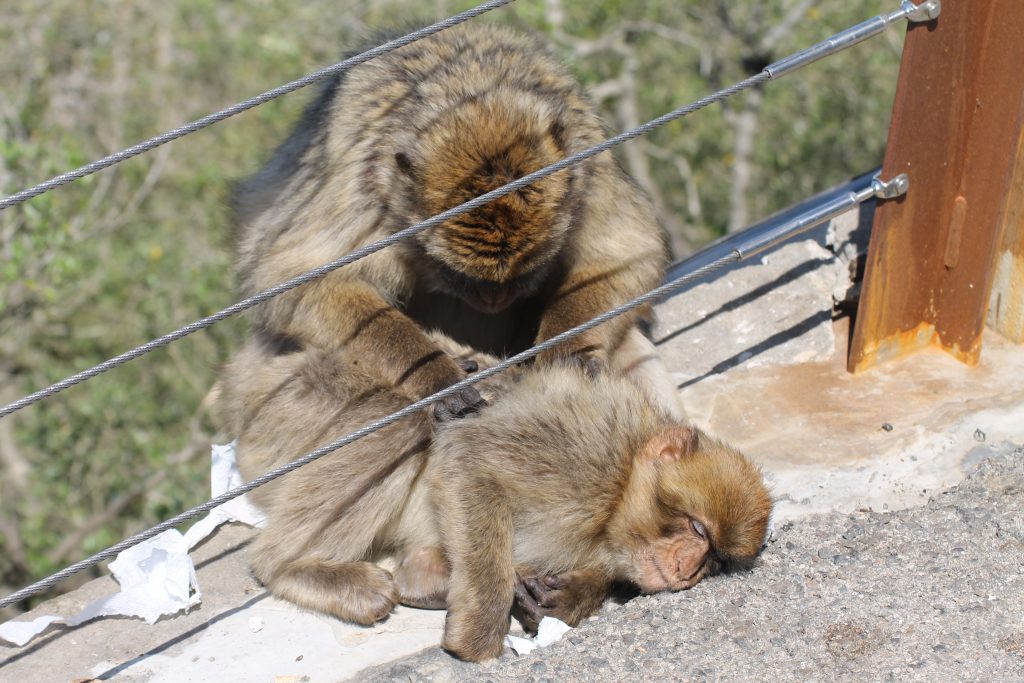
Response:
column 157, row 576
column 550, row 630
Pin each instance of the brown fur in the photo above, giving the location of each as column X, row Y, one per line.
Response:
column 579, row 483
column 414, row 132
column 330, row 519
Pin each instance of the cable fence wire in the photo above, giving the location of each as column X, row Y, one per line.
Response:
column 792, row 63
column 215, row 117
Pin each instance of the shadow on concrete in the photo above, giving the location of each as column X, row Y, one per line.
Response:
column 742, row 300
column 781, row 337
column 181, row 637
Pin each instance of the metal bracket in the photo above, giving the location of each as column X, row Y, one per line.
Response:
column 926, row 11
column 888, row 189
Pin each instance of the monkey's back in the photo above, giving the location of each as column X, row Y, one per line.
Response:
column 283, row 405
column 560, row 445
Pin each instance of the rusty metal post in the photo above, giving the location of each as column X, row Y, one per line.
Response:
column 956, row 124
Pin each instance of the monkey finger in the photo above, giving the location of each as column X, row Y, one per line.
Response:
column 525, row 609
column 468, row 365
column 463, row 403
column 554, row 581
column 544, row 596
column 439, row 411
column 526, row 599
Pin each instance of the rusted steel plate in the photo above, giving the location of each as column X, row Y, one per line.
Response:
column 955, row 126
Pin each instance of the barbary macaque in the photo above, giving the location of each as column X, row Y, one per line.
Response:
column 414, row 132
column 565, row 485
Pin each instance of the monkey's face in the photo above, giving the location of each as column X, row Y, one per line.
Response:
column 500, row 252
column 724, row 498
column 678, row 559
column 701, row 507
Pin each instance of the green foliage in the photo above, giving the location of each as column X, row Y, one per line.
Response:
column 109, row 262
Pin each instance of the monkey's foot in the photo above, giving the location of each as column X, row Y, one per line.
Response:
column 475, row 636
column 360, row 592
column 422, row 579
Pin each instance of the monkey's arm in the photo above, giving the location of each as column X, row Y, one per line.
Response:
column 570, row 597
column 339, row 311
column 476, row 527
column 617, row 253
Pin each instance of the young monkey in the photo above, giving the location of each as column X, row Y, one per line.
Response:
column 581, row 482
column 577, row 481
column 332, row 519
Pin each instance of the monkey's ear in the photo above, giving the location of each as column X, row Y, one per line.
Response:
column 672, row 444
column 405, row 164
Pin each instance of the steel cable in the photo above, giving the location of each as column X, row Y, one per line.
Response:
column 797, row 60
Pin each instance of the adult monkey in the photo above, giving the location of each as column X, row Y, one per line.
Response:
column 408, row 135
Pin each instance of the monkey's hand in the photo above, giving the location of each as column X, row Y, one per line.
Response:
column 570, row 597
column 464, row 402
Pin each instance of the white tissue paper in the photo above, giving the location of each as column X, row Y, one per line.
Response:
column 550, row 630
column 224, row 476
column 157, row 576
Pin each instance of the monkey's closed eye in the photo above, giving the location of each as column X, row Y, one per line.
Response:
column 698, row 528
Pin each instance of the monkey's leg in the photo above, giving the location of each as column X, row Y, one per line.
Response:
column 360, row 592
column 422, row 578
column 478, row 540
column 570, row 597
